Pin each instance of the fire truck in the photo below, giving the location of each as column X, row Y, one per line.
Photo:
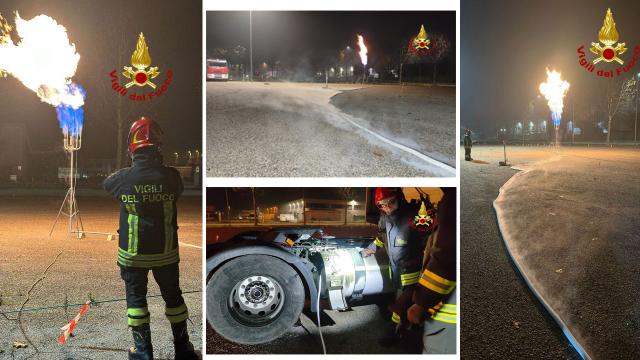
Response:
column 217, row 69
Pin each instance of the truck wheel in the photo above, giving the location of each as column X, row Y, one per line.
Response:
column 254, row 299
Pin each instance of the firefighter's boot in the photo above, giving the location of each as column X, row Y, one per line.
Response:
column 391, row 337
column 412, row 340
column 183, row 347
column 142, row 348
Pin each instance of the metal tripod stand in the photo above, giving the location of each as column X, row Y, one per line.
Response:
column 69, row 207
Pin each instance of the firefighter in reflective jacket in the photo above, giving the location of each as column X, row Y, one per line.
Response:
column 147, row 192
column 403, row 237
column 434, row 299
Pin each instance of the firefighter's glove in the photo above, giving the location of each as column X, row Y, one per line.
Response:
column 416, row 314
column 367, row 252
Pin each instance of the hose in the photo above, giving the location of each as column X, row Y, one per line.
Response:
column 324, row 348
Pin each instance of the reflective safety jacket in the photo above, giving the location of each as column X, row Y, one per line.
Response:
column 437, row 280
column 404, row 240
column 147, row 192
column 467, row 142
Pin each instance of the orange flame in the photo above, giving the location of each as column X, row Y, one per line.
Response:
column 363, row 50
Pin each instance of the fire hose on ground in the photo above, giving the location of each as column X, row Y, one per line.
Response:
column 67, row 330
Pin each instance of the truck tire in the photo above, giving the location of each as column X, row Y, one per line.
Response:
column 254, row 299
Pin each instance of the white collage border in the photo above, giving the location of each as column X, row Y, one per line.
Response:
column 356, row 5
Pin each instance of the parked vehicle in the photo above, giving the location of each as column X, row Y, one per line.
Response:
column 217, row 69
column 259, row 282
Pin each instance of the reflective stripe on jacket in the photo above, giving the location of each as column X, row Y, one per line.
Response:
column 404, row 244
column 438, row 276
column 147, row 192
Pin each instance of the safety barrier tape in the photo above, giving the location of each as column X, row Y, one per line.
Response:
column 67, row 329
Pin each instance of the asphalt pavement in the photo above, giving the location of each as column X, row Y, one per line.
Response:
column 571, row 223
column 292, row 130
column 42, row 271
column 500, row 316
column 423, row 118
column 356, row 331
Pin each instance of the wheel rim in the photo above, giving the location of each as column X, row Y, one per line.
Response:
column 256, row 300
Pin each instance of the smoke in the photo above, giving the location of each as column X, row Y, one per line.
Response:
column 44, row 61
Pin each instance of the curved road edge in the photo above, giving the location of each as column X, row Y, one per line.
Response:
column 444, row 168
column 565, row 329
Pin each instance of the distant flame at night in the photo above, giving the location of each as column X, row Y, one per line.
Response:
column 363, row 50
column 554, row 90
column 44, row 60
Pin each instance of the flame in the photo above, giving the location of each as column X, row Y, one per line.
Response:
column 423, row 210
column 422, row 34
column 43, row 60
column 554, row 90
column 363, row 50
column 608, row 34
column 5, row 29
column 140, row 58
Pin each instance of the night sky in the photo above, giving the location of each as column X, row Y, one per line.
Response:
column 289, row 36
column 105, row 35
column 506, row 46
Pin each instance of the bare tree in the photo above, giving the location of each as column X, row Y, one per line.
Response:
column 439, row 51
column 618, row 94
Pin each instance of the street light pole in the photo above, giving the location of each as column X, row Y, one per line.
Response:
column 573, row 122
column 250, row 47
column 635, row 127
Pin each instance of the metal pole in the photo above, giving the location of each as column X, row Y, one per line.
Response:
column 504, row 146
column 635, row 127
column 255, row 209
column 250, row 46
column 573, row 122
column 364, row 71
column 71, row 191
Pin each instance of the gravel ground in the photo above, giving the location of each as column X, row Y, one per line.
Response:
column 287, row 129
column 423, row 118
column 85, row 269
column 571, row 222
column 355, row 332
column 500, row 317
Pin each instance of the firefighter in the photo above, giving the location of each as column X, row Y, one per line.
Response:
column 468, row 143
column 148, row 241
column 404, row 242
column 434, row 298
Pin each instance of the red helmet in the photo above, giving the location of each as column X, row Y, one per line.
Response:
column 385, row 193
column 144, row 132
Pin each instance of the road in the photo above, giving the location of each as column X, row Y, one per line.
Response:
column 353, row 332
column 572, row 224
column 85, row 269
column 295, row 130
column 500, row 317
